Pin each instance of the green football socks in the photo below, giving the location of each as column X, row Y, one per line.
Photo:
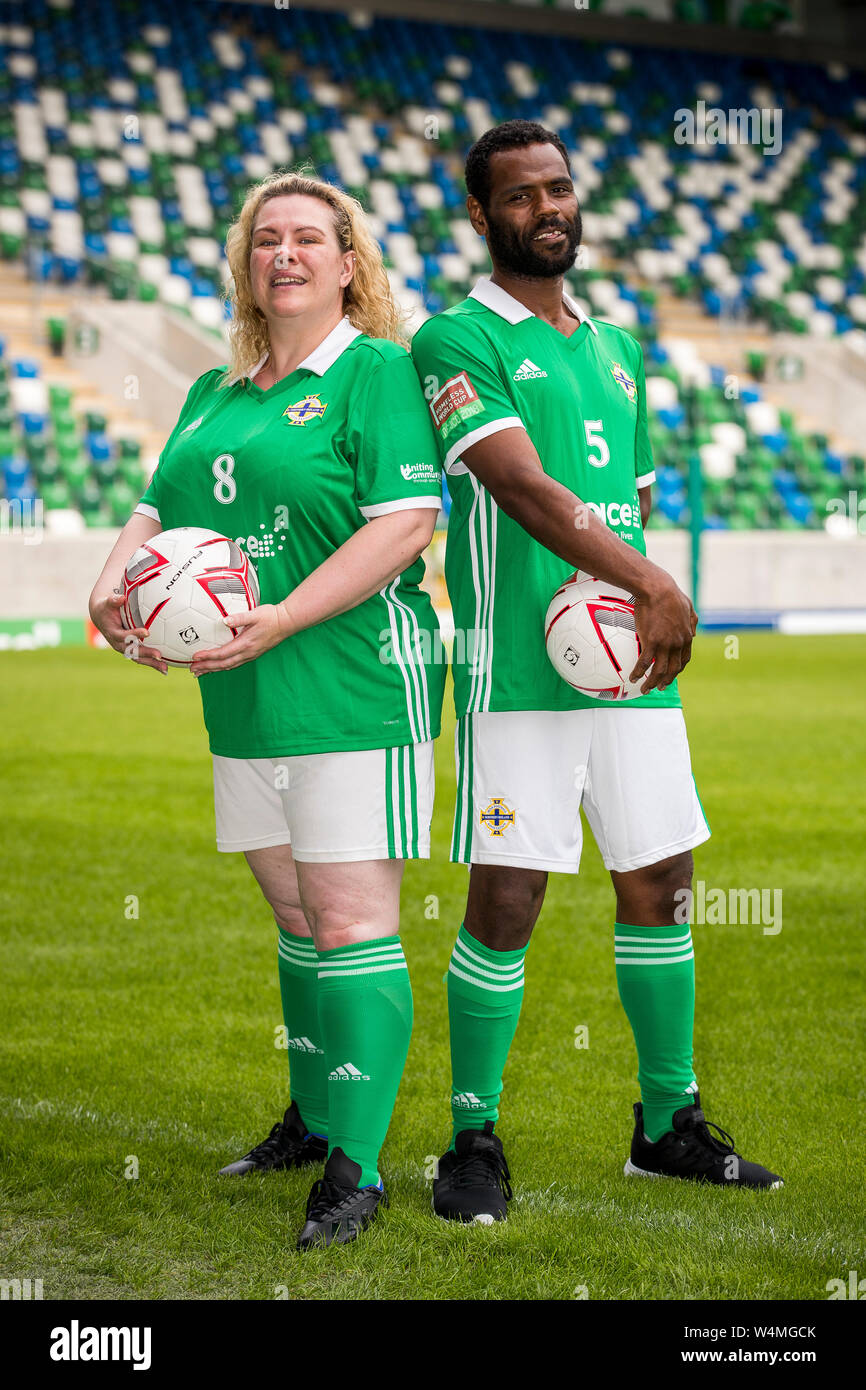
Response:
column 299, row 990
column 365, row 1017
column 655, row 972
column 485, row 992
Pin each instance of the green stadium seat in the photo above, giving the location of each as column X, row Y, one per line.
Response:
column 75, row 471
column 56, row 495
column 60, row 398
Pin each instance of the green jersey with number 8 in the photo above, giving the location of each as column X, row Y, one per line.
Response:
column 490, row 364
column 291, row 473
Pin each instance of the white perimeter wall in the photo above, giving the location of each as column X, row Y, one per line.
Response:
column 746, row 570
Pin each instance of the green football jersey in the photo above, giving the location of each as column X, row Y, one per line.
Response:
column 291, row 473
column 489, row 364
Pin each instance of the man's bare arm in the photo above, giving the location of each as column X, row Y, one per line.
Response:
column 506, row 463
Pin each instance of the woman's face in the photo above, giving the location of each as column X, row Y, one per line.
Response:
column 296, row 263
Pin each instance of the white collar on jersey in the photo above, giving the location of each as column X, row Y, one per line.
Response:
column 321, row 358
column 494, row 297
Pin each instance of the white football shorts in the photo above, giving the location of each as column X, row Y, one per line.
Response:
column 330, row 807
column 523, row 776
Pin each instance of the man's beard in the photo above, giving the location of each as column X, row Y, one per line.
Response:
column 510, row 252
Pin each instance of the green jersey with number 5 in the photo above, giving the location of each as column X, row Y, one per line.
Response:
column 489, row 364
column 292, row 473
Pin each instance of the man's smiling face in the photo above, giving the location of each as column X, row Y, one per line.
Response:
column 532, row 222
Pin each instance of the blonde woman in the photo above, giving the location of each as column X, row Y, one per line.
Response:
column 314, row 451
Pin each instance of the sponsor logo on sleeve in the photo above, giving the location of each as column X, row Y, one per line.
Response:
column 456, row 402
column 425, row 474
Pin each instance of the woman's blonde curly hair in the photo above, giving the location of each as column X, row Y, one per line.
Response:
column 368, row 300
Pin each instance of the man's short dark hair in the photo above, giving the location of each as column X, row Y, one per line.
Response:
column 511, row 135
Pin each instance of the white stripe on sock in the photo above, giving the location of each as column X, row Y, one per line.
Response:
column 494, row 989
column 512, row 972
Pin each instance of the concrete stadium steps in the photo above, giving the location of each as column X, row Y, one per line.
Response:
column 722, row 341
column 726, row 344
column 24, row 310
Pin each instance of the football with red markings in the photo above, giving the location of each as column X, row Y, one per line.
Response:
column 180, row 586
column 590, row 637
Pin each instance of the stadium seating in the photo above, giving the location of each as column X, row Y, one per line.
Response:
column 759, row 15
column 126, row 143
column 54, row 448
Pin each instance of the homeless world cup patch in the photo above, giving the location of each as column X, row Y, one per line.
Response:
column 457, row 401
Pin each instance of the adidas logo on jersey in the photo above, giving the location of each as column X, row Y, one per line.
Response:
column 347, row 1073
column 467, row 1100
column 527, row 371
column 303, row 1045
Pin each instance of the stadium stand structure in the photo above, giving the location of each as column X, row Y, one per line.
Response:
column 129, row 131
column 62, row 438
column 764, row 16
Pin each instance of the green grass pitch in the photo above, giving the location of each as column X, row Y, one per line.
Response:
column 148, row 1042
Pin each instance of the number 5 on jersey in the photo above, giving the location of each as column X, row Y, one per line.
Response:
column 225, row 488
column 595, row 439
